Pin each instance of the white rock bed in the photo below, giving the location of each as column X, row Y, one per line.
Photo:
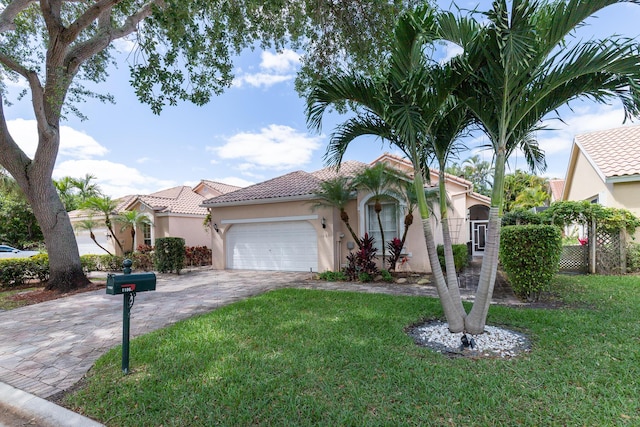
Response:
column 495, row 342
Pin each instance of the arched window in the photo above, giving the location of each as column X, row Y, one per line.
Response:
column 389, row 216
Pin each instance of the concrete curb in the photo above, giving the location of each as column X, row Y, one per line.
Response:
column 40, row 411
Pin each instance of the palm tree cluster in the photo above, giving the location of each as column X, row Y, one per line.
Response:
column 518, row 64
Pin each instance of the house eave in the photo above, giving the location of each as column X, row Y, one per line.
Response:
column 622, row 178
column 260, row 201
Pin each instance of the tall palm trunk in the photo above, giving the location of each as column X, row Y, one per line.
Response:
column 93, row 237
column 345, row 218
column 476, row 320
column 450, row 265
column 378, row 209
column 452, row 313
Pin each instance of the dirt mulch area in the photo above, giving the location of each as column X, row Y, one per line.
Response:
column 40, row 294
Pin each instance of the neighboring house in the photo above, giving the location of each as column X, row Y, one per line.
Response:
column 272, row 225
column 604, row 168
column 556, row 186
column 174, row 212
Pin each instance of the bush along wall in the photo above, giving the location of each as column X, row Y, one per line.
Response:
column 169, row 254
column 530, row 256
column 460, row 256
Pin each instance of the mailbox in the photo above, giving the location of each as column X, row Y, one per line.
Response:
column 125, row 283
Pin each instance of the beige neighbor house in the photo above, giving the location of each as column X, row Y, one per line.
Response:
column 174, row 212
column 604, row 168
column 273, row 225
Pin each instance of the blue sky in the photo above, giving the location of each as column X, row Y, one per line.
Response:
column 256, row 130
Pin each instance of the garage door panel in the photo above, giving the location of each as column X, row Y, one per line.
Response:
column 280, row 246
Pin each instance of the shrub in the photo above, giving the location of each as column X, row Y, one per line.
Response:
column 198, row 255
column 386, row 276
column 362, row 261
column 530, row 255
column 38, row 267
column 460, row 256
column 633, row 257
column 522, row 217
column 169, row 254
column 395, row 251
column 332, row 276
column 12, row 272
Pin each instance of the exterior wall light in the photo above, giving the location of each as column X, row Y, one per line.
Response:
column 215, row 227
column 324, row 223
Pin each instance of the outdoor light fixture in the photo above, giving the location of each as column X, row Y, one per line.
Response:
column 215, row 227
column 324, row 223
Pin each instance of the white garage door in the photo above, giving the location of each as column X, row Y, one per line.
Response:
column 278, row 246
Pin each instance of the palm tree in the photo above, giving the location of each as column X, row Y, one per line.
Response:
column 132, row 220
column 106, row 206
column 89, row 224
column 85, row 187
column 525, row 67
column 379, row 180
column 398, row 105
column 450, row 124
column 337, row 193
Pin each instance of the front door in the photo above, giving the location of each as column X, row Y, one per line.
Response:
column 478, row 237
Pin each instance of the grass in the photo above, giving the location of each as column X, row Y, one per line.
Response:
column 5, row 297
column 303, row 358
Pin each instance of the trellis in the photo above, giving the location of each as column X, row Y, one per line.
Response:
column 605, row 253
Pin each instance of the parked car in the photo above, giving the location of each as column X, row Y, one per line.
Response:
column 10, row 252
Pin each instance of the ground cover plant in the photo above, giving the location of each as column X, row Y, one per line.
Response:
column 306, row 357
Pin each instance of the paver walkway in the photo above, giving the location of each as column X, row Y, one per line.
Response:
column 46, row 348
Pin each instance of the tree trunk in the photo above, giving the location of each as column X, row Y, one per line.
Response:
column 34, row 178
column 345, row 218
column 454, row 319
column 477, row 318
column 384, row 253
column 93, row 237
column 450, row 265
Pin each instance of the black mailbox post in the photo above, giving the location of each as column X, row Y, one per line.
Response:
column 128, row 285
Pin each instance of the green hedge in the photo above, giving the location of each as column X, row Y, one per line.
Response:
column 460, row 256
column 169, row 254
column 530, row 255
column 17, row 271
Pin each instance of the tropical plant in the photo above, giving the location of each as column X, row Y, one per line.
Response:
column 399, row 105
column 361, row 264
column 106, row 206
column 132, row 220
column 336, row 193
column 476, row 170
column 75, row 191
column 523, row 190
column 526, row 64
column 89, row 224
column 380, row 181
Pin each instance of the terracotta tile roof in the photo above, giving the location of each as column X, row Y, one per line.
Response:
column 348, row 168
column 293, row 184
column 180, row 200
column 615, row 152
column 220, row 187
column 557, row 187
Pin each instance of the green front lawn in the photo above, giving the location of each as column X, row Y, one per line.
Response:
column 301, row 357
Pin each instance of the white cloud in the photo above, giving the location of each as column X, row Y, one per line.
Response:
column 261, row 79
column 274, row 68
column 450, row 50
column 114, row 179
column 73, row 143
column 281, row 62
column 142, row 160
column 276, row 147
column 234, row 180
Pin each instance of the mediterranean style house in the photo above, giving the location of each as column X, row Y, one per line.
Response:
column 273, row 225
column 173, row 212
column 604, row 168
